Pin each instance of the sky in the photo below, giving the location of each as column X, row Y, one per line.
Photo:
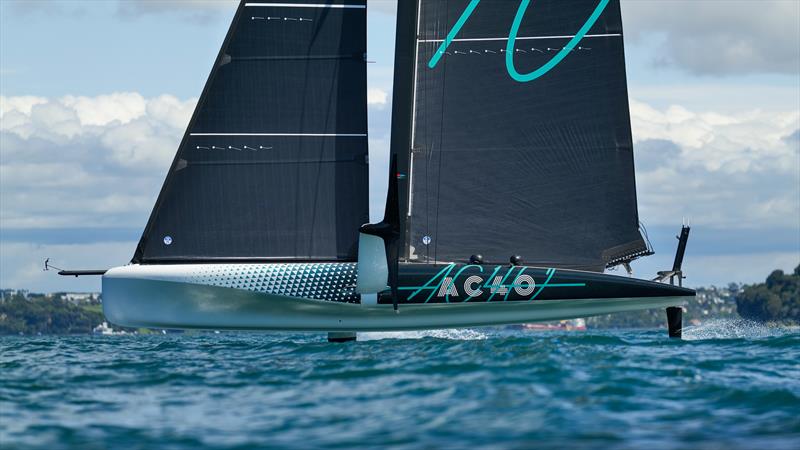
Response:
column 95, row 97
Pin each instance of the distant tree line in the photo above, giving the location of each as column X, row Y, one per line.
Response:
column 46, row 315
column 777, row 299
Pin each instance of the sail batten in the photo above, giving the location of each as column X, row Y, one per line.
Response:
column 501, row 162
column 520, row 38
column 305, row 5
column 284, row 134
column 273, row 165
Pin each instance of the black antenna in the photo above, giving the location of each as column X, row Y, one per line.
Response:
column 392, row 217
column 676, row 271
column 682, row 239
column 47, row 265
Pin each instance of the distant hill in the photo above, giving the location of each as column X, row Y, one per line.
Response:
column 61, row 313
column 777, row 299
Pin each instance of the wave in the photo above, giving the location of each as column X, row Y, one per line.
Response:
column 455, row 335
column 736, row 329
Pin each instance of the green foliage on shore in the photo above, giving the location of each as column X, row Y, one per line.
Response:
column 777, row 299
column 50, row 314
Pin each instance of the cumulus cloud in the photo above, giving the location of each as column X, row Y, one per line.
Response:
column 104, row 109
column 724, row 170
column 377, row 97
column 713, row 37
column 85, row 161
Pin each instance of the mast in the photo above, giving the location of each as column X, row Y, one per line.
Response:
column 405, row 60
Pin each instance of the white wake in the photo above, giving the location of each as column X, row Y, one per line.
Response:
column 456, row 335
column 736, row 329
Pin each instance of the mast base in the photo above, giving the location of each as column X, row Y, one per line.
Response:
column 675, row 321
column 341, row 336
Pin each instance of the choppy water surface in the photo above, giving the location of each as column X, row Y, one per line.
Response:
column 727, row 385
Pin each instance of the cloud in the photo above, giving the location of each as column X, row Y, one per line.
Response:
column 104, row 109
column 723, row 170
column 383, row 6
column 44, row 8
column 85, row 161
column 793, row 139
column 23, row 104
column 379, row 122
column 194, row 10
column 713, row 37
column 377, row 97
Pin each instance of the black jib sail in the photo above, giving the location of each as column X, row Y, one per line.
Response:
column 273, row 165
column 513, row 134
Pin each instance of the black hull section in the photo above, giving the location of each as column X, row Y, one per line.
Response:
column 470, row 283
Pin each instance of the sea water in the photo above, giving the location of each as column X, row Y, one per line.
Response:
column 727, row 384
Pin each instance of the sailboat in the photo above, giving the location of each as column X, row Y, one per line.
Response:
column 511, row 187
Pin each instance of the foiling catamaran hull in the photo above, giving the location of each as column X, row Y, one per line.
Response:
column 257, row 296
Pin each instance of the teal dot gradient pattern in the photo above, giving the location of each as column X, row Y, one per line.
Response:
column 319, row 281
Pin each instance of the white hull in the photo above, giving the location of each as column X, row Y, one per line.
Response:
column 136, row 296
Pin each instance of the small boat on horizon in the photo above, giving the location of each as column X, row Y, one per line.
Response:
column 105, row 330
column 562, row 325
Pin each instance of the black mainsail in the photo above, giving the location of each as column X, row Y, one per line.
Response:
column 524, row 154
column 273, row 165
